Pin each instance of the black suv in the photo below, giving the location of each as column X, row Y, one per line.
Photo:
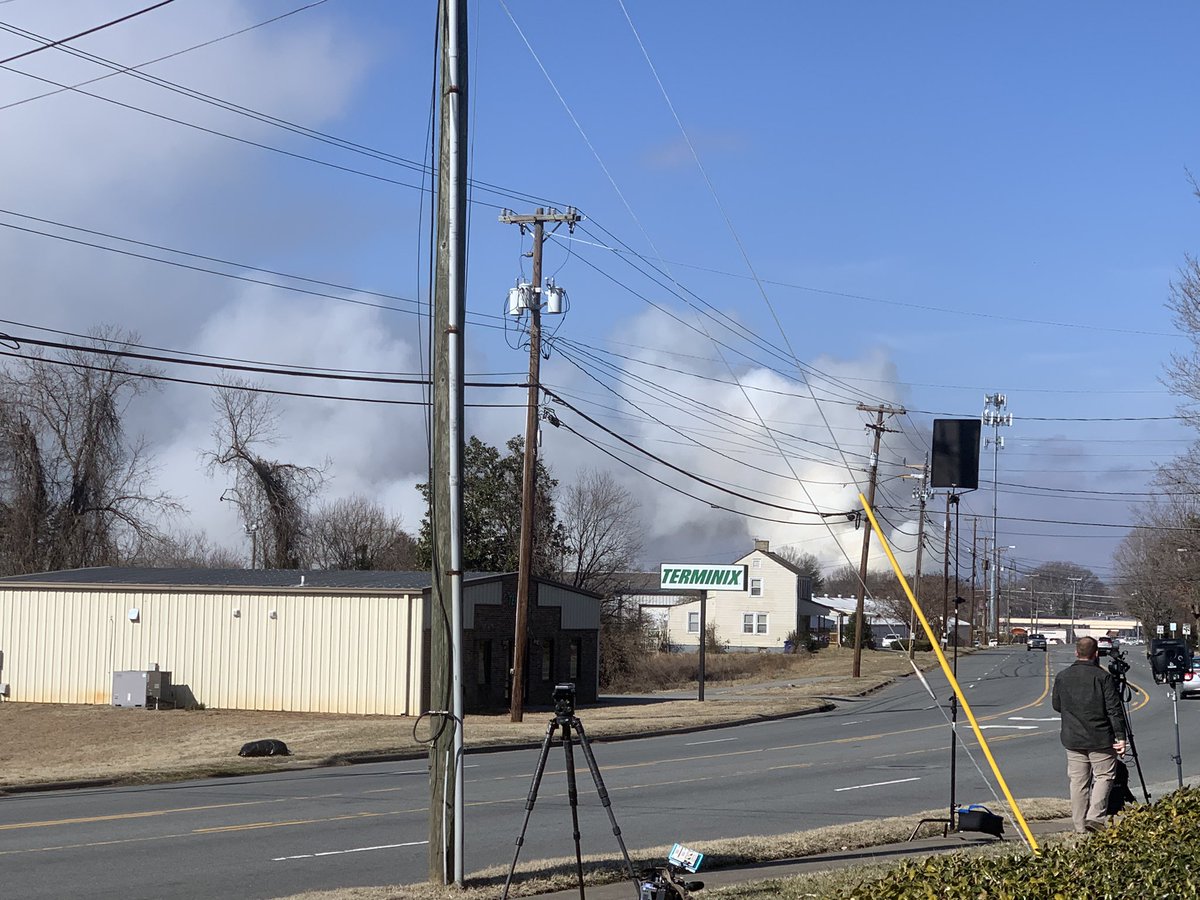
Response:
column 1036, row 642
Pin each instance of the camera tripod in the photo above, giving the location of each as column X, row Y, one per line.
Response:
column 1117, row 667
column 566, row 719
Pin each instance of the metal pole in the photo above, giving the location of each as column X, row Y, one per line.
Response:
column 1178, row 750
column 703, row 641
column 457, row 70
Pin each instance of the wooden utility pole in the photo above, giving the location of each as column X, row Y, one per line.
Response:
column 449, row 308
column 879, row 429
column 974, row 547
column 987, row 562
column 537, row 222
column 922, row 494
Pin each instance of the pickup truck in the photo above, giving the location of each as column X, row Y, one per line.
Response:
column 1036, row 642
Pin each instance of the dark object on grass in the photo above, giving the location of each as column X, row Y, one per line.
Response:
column 268, row 747
column 979, row 818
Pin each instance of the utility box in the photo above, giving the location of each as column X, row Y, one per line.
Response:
column 149, row 689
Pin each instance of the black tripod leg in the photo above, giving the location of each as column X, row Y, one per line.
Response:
column 1133, row 748
column 530, row 800
column 602, row 791
column 573, row 801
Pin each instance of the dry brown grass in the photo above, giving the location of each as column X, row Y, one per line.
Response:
column 45, row 743
column 559, row 874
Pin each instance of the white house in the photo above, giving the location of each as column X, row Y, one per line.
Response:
column 776, row 602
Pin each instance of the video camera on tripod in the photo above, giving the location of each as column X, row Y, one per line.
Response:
column 1118, row 665
column 1170, row 660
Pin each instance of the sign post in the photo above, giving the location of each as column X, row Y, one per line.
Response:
column 705, row 577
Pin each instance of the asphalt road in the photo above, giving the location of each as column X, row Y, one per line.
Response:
column 269, row 836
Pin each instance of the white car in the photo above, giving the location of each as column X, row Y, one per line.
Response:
column 894, row 642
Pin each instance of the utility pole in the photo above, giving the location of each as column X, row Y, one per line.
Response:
column 530, row 297
column 920, row 494
column 995, row 416
column 987, row 574
column 879, row 428
column 974, row 547
column 1074, row 583
column 446, row 836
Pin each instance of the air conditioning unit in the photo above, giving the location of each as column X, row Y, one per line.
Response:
column 149, row 689
column 3, row 688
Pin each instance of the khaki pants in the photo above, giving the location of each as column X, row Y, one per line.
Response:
column 1091, row 775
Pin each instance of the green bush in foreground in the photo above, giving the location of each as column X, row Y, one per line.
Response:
column 1152, row 852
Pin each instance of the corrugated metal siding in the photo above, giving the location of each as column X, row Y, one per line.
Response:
column 578, row 610
column 491, row 593
column 321, row 653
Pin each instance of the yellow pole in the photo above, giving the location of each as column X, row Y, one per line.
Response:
column 1016, row 810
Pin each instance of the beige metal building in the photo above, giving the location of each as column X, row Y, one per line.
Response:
column 337, row 642
column 344, row 642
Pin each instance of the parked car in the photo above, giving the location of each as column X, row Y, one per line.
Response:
column 894, row 642
column 1036, row 642
column 1104, row 645
column 1191, row 680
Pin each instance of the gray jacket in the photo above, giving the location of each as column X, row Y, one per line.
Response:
column 1086, row 697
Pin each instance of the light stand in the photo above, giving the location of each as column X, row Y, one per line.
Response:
column 1178, row 757
column 950, row 822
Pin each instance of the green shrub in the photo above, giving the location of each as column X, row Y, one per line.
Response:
column 1153, row 851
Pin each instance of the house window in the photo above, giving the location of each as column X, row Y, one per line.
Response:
column 483, row 656
column 755, row 587
column 693, row 623
column 547, row 660
column 576, row 655
column 754, row 623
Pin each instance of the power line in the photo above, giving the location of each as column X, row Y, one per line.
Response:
column 93, row 30
column 256, row 389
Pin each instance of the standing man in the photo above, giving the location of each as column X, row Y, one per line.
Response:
column 1093, row 731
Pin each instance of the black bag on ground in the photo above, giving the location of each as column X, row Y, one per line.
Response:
column 268, row 747
column 979, row 818
column 1120, row 793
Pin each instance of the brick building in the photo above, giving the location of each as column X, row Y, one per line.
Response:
column 563, row 641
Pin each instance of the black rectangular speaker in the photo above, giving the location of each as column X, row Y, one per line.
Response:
column 955, row 453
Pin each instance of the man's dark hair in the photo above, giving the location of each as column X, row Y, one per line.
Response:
column 1085, row 647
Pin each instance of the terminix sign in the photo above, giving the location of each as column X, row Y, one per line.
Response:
column 704, row 576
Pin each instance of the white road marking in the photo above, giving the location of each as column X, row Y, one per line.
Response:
column 855, row 722
column 1024, row 719
column 353, row 850
column 876, row 784
column 1013, row 727
column 717, row 741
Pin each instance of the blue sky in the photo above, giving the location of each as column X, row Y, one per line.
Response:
column 940, row 200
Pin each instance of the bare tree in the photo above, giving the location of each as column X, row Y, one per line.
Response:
column 807, row 563
column 186, row 550
column 272, row 496
column 75, row 490
column 602, row 530
column 356, row 533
